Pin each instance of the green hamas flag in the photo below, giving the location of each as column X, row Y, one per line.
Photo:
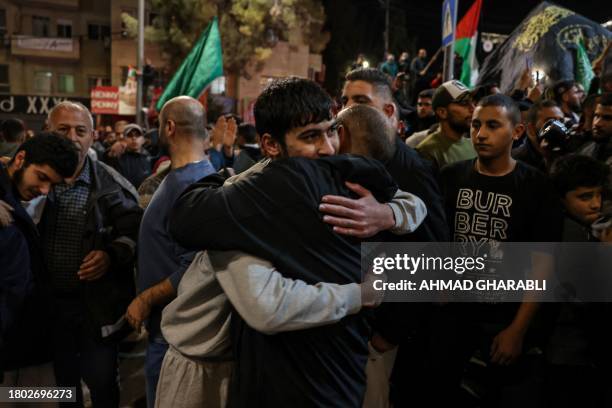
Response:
column 203, row 64
column 583, row 72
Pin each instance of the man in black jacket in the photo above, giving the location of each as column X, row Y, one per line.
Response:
column 89, row 229
column 274, row 214
column 38, row 164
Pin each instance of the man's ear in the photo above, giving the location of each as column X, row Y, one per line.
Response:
column 270, row 146
column 519, row 128
column 18, row 161
column 442, row 113
column 389, row 109
column 345, row 139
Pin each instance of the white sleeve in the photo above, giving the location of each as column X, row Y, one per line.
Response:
column 271, row 303
column 409, row 211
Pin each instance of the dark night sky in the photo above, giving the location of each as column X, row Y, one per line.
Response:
column 358, row 25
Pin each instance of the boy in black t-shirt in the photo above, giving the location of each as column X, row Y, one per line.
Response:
column 491, row 199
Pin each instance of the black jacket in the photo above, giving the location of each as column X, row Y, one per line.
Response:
column 23, row 305
column 135, row 167
column 113, row 221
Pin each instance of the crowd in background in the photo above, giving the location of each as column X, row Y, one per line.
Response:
column 237, row 245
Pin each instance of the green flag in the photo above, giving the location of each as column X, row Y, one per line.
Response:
column 203, row 64
column 583, row 72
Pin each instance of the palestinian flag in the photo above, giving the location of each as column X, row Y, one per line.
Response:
column 465, row 44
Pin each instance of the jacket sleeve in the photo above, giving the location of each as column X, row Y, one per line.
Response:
column 200, row 199
column 271, row 303
column 124, row 222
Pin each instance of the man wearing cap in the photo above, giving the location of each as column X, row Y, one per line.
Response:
column 135, row 163
column 453, row 106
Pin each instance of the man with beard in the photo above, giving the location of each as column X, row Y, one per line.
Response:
column 569, row 98
column 453, row 106
column 37, row 165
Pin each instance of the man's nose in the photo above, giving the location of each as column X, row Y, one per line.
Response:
column 326, row 148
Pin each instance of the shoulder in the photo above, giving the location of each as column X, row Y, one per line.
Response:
column 111, row 176
column 429, row 141
column 456, row 170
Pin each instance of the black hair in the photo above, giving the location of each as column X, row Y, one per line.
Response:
column 532, row 115
column 289, row 103
column 605, row 99
column 53, row 150
column 248, row 133
column 426, row 93
column 561, row 87
column 11, row 129
column 379, row 81
column 503, row 101
column 574, row 170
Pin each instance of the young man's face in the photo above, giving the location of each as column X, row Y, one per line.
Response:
column 34, row 180
column 361, row 92
column 602, row 122
column 584, row 203
column 135, row 140
column 312, row 141
column 424, row 109
column 493, row 132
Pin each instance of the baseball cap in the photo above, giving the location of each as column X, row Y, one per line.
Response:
column 448, row 92
column 132, row 126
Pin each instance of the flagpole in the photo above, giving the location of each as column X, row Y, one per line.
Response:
column 139, row 92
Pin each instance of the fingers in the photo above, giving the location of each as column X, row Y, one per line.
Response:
column 340, row 211
column 6, row 206
column 339, row 200
column 343, row 222
column 357, row 188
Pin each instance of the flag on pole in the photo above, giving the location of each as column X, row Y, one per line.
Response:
column 203, row 64
column 465, row 44
column 584, row 71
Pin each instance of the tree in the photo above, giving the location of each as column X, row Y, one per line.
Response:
column 249, row 28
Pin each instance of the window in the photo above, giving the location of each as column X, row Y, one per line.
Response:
column 2, row 22
column 65, row 83
column 105, row 31
column 93, row 31
column 98, row 31
column 42, row 82
column 40, row 26
column 4, row 79
column 217, row 86
column 64, row 29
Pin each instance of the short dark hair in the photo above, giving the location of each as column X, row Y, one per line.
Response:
column 605, row 99
column 503, row 101
column 379, row 81
column 426, row 93
column 289, row 103
column 248, row 132
column 561, row 87
column 10, row 129
column 53, row 150
column 574, row 170
column 532, row 115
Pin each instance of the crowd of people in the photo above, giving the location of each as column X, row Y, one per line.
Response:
column 237, row 246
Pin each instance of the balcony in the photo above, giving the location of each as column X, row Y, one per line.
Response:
column 45, row 47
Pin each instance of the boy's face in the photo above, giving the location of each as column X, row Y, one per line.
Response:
column 584, row 203
column 493, row 132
